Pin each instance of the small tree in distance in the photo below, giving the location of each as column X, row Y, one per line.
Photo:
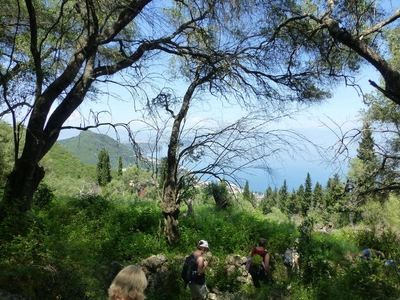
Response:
column 120, row 167
column 220, row 193
column 103, row 168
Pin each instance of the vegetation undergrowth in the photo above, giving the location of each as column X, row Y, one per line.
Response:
column 73, row 240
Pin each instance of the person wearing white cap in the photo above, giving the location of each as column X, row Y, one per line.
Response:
column 198, row 288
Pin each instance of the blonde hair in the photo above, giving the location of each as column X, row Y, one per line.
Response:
column 129, row 284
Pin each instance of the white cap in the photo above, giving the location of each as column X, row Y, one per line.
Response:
column 204, row 244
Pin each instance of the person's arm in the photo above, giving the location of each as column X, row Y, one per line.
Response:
column 266, row 262
column 201, row 265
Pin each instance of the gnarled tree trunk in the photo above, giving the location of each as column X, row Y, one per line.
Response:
column 171, row 193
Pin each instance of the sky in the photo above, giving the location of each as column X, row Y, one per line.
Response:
column 321, row 124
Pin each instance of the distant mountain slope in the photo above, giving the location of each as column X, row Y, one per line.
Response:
column 87, row 145
column 60, row 162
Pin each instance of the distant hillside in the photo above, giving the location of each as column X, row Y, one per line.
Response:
column 87, row 145
column 62, row 163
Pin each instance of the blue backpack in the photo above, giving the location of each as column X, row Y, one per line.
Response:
column 288, row 257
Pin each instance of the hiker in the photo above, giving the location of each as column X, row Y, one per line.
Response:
column 291, row 259
column 129, row 284
column 366, row 255
column 198, row 288
column 390, row 263
column 261, row 270
column 390, row 267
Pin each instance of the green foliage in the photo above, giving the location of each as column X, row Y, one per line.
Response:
column 72, row 241
column 103, row 168
column 269, row 200
column 88, row 143
column 293, row 205
column 246, row 191
column 313, row 253
column 306, row 200
column 318, row 198
column 277, row 216
column 60, row 163
column 335, row 191
column 382, row 239
column 283, row 198
column 219, row 191
column 6, row 151
column 42, row 196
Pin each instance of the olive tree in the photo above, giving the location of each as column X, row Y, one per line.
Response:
column 54, row 55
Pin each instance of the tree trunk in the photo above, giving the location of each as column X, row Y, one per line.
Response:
column 170, row 198
column 21, row 184
column 189, row 204
column 171, row 213
column 355, row 42
column 351, row 221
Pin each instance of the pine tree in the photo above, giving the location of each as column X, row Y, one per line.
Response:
column 334, row 193
column 300, row 198
column 268, row 201
column 293, row 205
column 365, row 150
column 306, row 201
column 367, row 170
column 283, row 198
column 247, row 195
column 103, row 168
column 318, row 197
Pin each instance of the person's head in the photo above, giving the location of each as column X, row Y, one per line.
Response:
column 366, row 252
column 262, row 242
column 203, row 245
column 129, row 284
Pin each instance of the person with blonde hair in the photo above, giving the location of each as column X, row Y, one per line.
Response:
column 129, row 284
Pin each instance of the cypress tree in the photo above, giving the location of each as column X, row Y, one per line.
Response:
column 103, row 168
column 120, row 167
column 249, row 196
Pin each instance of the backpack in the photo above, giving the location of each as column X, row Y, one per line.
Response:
column 189, row 269
column 288, row 257
column 255, row 262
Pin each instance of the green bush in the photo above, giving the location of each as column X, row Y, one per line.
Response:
column 42, row 196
